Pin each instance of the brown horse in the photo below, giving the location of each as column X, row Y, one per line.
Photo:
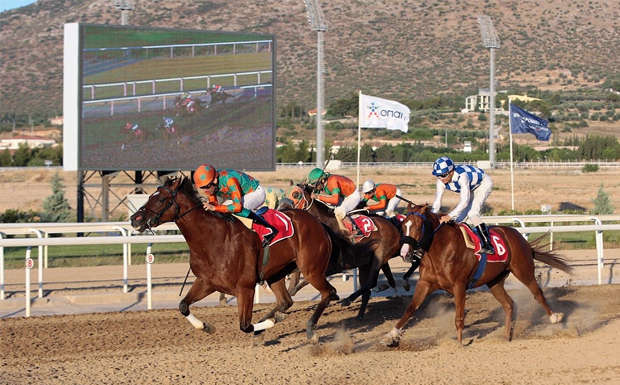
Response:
column 133, row 136
column 171, row 135
column 449, row 264
column 384, row 243
column 226, row 256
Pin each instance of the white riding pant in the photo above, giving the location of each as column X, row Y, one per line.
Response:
column 349, row 203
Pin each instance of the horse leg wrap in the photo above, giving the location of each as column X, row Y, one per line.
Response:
column 195, row 321
column 266, row 324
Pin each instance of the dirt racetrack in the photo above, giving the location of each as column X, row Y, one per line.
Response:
column 161, row 347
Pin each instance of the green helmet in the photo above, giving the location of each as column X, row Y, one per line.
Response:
column 315, row 175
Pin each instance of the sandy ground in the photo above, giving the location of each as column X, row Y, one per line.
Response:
column 161, row 347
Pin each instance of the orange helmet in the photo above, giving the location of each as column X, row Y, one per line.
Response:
column 204, row 175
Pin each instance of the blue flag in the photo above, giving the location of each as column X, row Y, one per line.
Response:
column 522, row 122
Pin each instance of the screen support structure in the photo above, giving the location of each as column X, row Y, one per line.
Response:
column 102, row 195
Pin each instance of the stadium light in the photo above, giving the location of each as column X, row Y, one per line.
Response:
column 124, row 6
column 490, row 41
column 318, row 24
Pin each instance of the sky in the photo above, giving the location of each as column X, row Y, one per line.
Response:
column 5, row 5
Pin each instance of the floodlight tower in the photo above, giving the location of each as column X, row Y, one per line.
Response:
column 318, row 24
column 124, row 6
column 490, row 41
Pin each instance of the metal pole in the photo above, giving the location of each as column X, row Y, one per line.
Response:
column 319, row 102
column 492, row 110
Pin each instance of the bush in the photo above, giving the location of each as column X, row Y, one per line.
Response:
column 589, row 168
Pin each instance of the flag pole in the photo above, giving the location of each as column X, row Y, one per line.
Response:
column 512, row 181
column 359, row 138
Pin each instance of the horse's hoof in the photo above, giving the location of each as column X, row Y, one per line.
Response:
column 345, row 302
column 389, row 342
column 208, row 328
column 360, row 317
column 406, row 286
column 556, row 317
column 279, row 317
column 313, row 337
column 258, row 339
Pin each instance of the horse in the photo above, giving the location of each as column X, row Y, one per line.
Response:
column 450, row 263
column 228, row 257
column 384, row 243
column 139, row 136
column 181, row 107
column 172, row 133
column 220, row 97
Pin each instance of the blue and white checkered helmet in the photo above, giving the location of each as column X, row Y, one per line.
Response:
column 442, row 165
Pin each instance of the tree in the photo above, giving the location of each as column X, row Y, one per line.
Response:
column 56, row 207
column 6, row 160
column 602, row 203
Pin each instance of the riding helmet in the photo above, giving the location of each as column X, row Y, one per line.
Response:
column 204, row 174
column 368, row 186
column 442, row 166
column 315, row 175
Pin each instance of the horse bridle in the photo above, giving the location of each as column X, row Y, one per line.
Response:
column 177, row 216
column 426, row 234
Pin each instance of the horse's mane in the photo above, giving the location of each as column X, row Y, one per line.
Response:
column 185, row 186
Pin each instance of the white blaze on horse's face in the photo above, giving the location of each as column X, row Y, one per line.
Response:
column 406, row 247
column 156, row 193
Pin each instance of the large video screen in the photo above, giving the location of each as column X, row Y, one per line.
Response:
column 167, row 99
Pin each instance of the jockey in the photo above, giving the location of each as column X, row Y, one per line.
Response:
column 473, row 185
column 131, row 126
column 168, row 121
column 218, row 89
column 387, row 196
column 245, row 193
column 187, row 100
column 336, row 190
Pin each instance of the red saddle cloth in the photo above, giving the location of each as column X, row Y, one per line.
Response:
column 501, row 252
column 277, row 220
column 364, row 223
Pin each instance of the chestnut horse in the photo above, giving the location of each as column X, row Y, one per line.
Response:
column 130, row 136
column 384, row 243
column 171, row 135
column 449, row 264
column 226, row 256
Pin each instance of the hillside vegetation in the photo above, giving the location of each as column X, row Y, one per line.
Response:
column 401, row 49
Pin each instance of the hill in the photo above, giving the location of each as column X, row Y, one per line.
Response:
column 390, row 48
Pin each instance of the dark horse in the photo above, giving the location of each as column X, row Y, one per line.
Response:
column 226, row 256
column 220, row 97
column 129, row 136
column 171, row 134
column 449, row 264
column 384, row 243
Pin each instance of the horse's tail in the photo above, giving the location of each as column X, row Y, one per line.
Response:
column 346, row 255
column 549, row 257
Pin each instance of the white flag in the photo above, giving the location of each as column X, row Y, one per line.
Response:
column 383, row 113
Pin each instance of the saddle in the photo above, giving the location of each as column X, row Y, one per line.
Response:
column 364, row 224
column 472, row 241
column 278, row 220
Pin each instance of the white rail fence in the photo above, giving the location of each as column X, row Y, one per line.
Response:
column 126, row 237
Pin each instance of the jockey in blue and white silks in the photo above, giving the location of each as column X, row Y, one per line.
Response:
column 474, row 187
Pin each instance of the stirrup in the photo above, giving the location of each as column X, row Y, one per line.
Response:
column 487, row 249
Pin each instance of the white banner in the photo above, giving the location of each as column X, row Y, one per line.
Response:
column 382, row 113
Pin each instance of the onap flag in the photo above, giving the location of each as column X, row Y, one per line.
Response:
column 522, row 122
column 383, row 113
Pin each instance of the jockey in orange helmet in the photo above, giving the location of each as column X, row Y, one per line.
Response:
column 245, row 193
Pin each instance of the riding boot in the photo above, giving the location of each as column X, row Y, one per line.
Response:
column 341, row 226
column 485, row 238
column 395, row 221
column 261, row 221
